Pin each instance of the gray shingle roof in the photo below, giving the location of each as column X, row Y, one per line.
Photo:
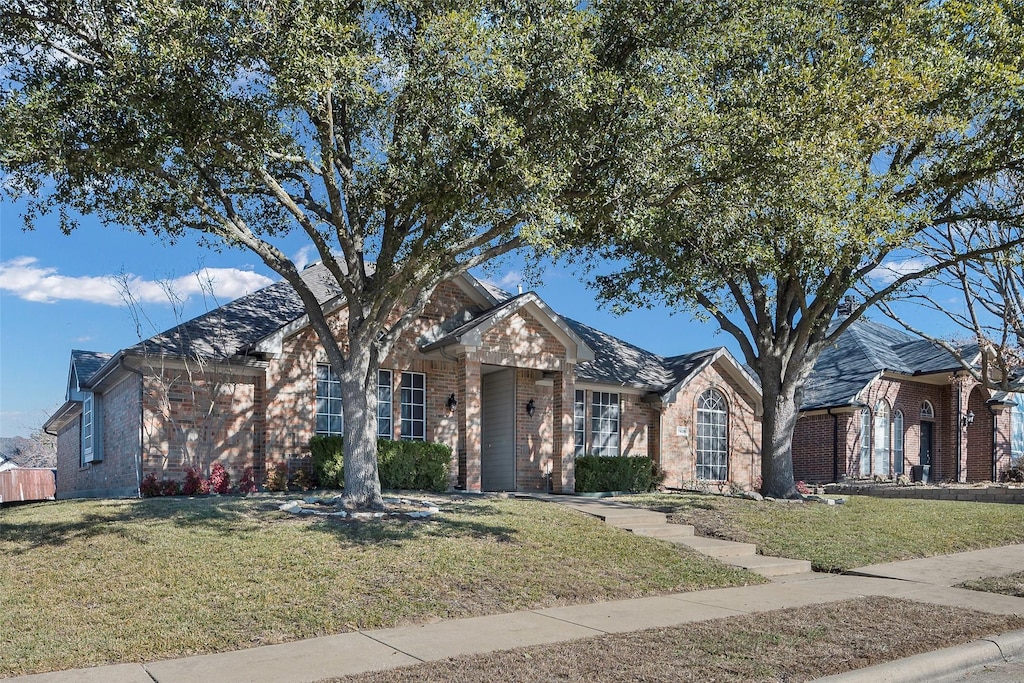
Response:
column 862, row 352
column 235, row 326
column 86, row 363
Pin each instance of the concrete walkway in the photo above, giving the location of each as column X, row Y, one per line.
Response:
column 311, row 660
column 655, row 524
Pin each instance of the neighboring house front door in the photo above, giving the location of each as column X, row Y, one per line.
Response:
column 498, row 431
column 926, row 445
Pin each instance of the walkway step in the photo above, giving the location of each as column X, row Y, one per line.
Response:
column 716, row 547
column 769, row 566
column 661, row 530
column 624, row 518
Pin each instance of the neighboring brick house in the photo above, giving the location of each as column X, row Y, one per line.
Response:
column 882, row 402
column 515, row 389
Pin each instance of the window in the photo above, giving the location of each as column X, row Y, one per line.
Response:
column 865, row 443
column 897, row 441
column 579, row 423
column 927, row 411
column 1017, row 428
column 604, row 424
column 414, row 406
column 328, row 402
column 712, row 436
column 92, row 450
column 384, row 418
column 883, row 438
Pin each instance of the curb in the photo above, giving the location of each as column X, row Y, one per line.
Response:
column 930, row 666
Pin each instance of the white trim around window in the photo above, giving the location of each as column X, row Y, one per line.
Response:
column 385, row 397
column 329, row 419
column 414, row 406
column 604, row 424
column 92, row 438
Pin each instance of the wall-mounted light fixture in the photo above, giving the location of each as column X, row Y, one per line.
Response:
column 452, row 403
column 967, row 419
column 530, row 407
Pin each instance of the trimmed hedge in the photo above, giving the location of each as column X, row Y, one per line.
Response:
column 595, row 473
column 400, row 464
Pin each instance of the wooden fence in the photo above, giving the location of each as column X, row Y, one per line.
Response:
column 27, row 484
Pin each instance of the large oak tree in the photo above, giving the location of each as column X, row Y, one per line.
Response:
column 407, row 140
column 779, row 152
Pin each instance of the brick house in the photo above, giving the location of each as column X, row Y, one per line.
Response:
column 515, row 389
column 882, row 402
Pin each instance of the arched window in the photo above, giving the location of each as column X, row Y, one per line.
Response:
column 927, row 411
column 865, row 442
column 897, row 442
column 712, row 436
column 883, row 439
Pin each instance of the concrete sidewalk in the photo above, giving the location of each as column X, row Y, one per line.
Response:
column 926, row 580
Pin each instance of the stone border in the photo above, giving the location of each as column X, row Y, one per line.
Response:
column 987, row 494
column 321, row 507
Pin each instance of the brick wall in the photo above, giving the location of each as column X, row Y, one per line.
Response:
column 116, row 475
column 194, row 419
column 678, row 450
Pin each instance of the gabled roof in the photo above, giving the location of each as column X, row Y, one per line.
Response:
column 862, row 353
column 85, row 364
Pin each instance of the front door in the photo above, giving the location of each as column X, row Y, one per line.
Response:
column 926, row 443
column 498, row 431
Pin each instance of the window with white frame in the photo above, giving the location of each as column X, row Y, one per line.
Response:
column 883, row 438
column 92, row 442
column 579, row 422
column 604, row 424
column 897, row 441
column 384, row 399
column 329, row 420
column 865, row 442
column 712, row 436
column 927, row 411
column 414, row 406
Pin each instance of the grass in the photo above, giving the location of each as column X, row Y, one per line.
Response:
column 1012, row 585
column 865, row 530
column 84, row 583
column 784, row 645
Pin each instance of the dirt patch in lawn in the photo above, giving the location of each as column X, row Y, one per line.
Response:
column 785, row 645
column 1012, row 585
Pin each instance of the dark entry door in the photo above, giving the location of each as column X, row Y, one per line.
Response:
column 926, row 442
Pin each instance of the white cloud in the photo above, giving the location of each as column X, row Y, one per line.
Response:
column 301, row 257
column 26, row 279
column 509, row 281
column 889, row 272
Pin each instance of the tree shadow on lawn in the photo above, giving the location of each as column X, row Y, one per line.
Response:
column 465, row 522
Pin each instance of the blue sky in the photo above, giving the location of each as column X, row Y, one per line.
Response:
column 56, row 295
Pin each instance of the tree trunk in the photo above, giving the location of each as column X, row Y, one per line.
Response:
column 358, row 381
column 777, row 425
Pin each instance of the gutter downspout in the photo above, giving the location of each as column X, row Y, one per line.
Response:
column 142, row 412
column 835, row 445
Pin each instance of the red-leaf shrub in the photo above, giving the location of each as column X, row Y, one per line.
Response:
column 247, row 484
column 194, row 484
column 149, row 487
column 220, row 480
column 170, row 487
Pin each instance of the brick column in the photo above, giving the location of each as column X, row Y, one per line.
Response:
column 468, row 465
column 563, row 459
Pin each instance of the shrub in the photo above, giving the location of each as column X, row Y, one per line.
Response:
column 303, row 481
column 400, row 464
column 413, row 465
column 170, row 487
column 1014, row 473
column 194, row 484
column 247, row 484
column 328, row 461
column 619, row 473
column 220, row 480
column 277, row 478
column 150, row 487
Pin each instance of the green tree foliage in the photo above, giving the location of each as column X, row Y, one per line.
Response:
column 779, row 152
column 407, row 140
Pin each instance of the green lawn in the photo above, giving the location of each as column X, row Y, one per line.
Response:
column 865, row 530
column 93, row 582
